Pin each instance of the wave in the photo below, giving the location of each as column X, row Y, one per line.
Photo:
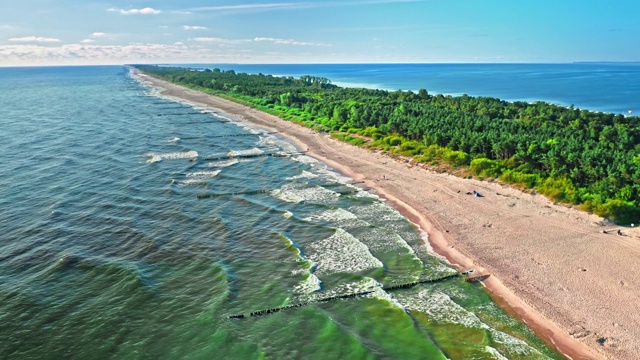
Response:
column 439, row 307
column 305, row 175
column 203, row 174
column 249, row 152
column 342, row 253
column 155, row 157
column 311, row 282
column 222, row 163
column 295, row 193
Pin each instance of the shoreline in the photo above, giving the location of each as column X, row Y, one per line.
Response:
column 470, row 233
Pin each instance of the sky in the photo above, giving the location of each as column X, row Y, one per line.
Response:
column 72, row 32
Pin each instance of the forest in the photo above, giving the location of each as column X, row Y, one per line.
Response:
column 574, row 156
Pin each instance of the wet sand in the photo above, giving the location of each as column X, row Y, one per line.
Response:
column 550, row 265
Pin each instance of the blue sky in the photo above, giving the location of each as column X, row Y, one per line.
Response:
column 45, row 32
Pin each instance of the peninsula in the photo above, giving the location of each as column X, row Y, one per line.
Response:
column 568, row 273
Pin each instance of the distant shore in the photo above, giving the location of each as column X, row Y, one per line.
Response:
column 552, row 266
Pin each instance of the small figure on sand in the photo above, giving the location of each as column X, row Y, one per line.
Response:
column 474, row 193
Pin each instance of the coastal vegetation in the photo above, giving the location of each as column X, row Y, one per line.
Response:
column 574, row 156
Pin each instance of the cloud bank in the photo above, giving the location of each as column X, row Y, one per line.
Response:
column 145, row 11
column 187, row 27
column 35, row 39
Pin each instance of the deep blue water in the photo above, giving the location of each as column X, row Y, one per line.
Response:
column 607, row 87
column 133, row 226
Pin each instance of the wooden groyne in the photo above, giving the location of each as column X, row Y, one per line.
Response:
column 247, row 134
column 342, row 297
column 249, row 192
column 265, row 191
column 249, row 156
column 424, row 281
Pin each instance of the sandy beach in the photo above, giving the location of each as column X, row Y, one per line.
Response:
column 550, row 265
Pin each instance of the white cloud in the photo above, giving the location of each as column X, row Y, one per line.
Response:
column 34, row 39
column 288, row 42
column 298, row 5
column 248, row 7
column 218, row 40
column 178, row 43
column 34, row 54
column 187, row 27
column 145, row 11
column 87, row 41
column 98, row 34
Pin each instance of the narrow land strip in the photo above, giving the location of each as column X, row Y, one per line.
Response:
column 551, row 266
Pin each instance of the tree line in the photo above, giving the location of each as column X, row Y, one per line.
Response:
column 575, row 156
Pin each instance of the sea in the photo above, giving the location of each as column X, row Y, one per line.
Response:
column 134, row 226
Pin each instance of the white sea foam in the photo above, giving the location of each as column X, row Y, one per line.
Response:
column 222, row 163
column 426, row 245
column 341, row 252
column 296, row 193
column 378, row 211
column 364, row 194
column 334, row 216
column 365, row 285
column 379, row 239
column 254, row 151
column 304, row 159
column 274, row 143
column 155, row 157
column 287, row 214
column 513, row 344
column 309, row 285
column 172, row 140
column 441, row 308
column 191, row 182
column 495, row 353
column 203, row 174
column 305, row 175
column 322, row 170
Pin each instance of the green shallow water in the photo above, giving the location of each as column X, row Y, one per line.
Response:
column 119, row 240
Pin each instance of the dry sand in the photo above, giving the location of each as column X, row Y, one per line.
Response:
column 551, row 265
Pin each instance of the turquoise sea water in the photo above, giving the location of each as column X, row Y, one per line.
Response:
column 133, row 226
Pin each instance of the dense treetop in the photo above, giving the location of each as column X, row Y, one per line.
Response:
column 571, row 155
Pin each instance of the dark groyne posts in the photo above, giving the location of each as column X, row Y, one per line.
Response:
column 341, row 297
column 228, row 157
column 275, row 310
column 424, row 281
